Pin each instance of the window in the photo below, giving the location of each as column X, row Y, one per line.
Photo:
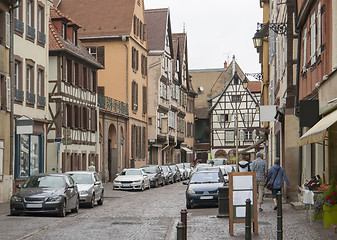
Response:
column 172, row 119
column 69, row 71
column 134, row 59
column 40, row 82
column 236, row 98
column 41, row 37
column 76, row 74
column 19, row 26
column 3, row 90
column 304, row 50
column 30, row 13
column 144, row 65
column 30, row 79
column 64, row 31
column 85, row 77
column 229, row 136
column 4, row 28
column 97, row 53
column 313, row 38
column 75, row 36
column 134, row 96
column 29, row 157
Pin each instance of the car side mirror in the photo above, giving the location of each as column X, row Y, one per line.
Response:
column 117, row 174
column 19, row 186
column 185, row 183
column 71, row 186
column 97, row 183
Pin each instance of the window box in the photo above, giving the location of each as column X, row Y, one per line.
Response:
column 30, row 98
column 41, row 102
column 19, row 95
column 30, row 32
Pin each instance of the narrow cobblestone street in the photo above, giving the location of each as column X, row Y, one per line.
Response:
column 153, row 214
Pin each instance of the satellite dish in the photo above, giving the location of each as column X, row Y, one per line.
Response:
column 201, row 89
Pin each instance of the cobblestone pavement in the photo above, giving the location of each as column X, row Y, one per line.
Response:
column 153, row 214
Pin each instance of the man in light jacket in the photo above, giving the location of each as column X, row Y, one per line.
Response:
column 276, row 175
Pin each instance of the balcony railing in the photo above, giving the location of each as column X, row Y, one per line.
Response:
column 41, row 101
column 30, row 32
column 113, row 105
column 19, row 95
column 19, row 25
column 41, row 37
column 30, row 98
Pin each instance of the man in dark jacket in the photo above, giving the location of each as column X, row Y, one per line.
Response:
column 276, row 176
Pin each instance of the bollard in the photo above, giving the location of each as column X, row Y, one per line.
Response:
column 223, row 202
column 248, row 227
column 180, row 231
column 183, row 219
column 279, row 216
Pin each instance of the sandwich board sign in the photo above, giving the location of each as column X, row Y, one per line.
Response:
column 242, row 186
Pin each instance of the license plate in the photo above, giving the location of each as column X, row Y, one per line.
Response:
column 126, row 185
column 206, row 197
column 34, row 205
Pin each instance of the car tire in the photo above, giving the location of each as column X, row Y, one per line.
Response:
column 143, row 187
column 63, row 210
column 75, row 210
column 14, row 214
column 162, row 182
column 188, row 206
column 149, row 186
column 92, row 202
column 100, row 201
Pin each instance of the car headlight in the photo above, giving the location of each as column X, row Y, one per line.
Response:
column 54, row 199
column 190, row 191
column 117, row 181
column 152, row 178
column 84, row 192
column 138, row 181
column 16, row 199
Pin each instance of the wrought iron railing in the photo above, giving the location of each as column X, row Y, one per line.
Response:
column 41, row 101
column 19, row 95
column 31, row 32
column 19, row 25
column 30, row 98
column 113, row 105
column 41, row 37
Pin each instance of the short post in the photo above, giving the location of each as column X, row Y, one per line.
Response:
column 279, row 216
column 183, row 219
column 180, row 231
column 223, row 202
column 248, row 227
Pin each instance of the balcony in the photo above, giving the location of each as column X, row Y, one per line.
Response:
column 41, row 38
column 30, row 98
column 112, row 105
column 30, row 32
column 19, row 95
column 19, row 26
column 41, row 101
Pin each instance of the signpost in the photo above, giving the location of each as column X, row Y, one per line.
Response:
column 242, row 186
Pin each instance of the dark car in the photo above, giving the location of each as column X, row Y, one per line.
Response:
column 168, row 174
column 176, row 173
column 155, row 174
column 203, row 187
column 46, row 193
column 90, row 187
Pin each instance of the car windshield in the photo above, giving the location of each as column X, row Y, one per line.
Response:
column 187, row 165
column 217, row 162
column 150, row 169
column 44, row 182
column 131, row 172
column 165, row 169
column 82, row 178
column 205, row 177
column 228, row 168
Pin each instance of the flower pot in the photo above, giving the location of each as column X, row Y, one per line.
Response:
column 330, row 215
column 318, row 216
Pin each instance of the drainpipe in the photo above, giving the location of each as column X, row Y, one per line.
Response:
column 12, row 88
column 297, row 96
column 124, row 39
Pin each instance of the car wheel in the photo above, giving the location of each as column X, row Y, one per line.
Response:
column 162, row 182
column 149, row 186
column 92, row 202
column 188, row 206
column 14, row 214
column 75, row 210
column 100, row 201
column 63, row 210
column 143, row 187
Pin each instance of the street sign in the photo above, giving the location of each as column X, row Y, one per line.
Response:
column 58, row 140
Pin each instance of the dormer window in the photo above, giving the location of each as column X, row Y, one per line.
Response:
column 75, row 36
column 64, row 31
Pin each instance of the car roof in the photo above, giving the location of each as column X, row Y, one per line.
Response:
column 49, row 174
column 81, row 172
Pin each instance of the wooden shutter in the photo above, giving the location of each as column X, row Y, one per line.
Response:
column 7, row 40
column 144, row 100
column 64, row 115
column 93, row 119
column 132, row 141
column 100, row 55
column 72, row 116
column 144, row 143
column 136, row 96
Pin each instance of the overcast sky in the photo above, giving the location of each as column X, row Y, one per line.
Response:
column 216, row 30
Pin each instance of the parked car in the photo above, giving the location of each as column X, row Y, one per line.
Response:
column 168, row 174
column 203, row 187
column 156, row 175
column 227, row 169
column 201, row 165
column 132, row 179
column 182, row 170
column 176, row 173
column 46, row 193
column 217, row 161
column 90, row 187
column 188, row 168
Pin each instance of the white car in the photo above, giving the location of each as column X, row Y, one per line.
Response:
column 132, row 179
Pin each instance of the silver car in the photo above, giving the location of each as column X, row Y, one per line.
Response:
column 89, row 186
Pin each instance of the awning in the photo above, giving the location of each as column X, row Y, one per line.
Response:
column 318, row 131
column 187, row 150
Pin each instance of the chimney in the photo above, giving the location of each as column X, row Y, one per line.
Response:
column 225, row 64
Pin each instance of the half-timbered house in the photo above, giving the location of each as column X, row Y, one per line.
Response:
column 73, row 136
column 234, row 116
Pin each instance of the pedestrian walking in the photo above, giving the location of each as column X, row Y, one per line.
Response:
column 243, row 165
column 276, row 176
column 92, row 167
column 260, row 166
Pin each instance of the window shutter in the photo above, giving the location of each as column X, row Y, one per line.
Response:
column 100, row 55
column 64, row 115
column 137, row 56
column 144, row 100
column 8, row 95
column 304, row 49
column 144, row 143
column 93, row 119
column 132, row 141
column 313, row 38
column 7, row 40
column 319, row 29
column 136, row 85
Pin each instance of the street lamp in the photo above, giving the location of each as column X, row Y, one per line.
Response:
column 258, row 39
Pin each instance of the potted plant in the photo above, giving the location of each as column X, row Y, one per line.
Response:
column 327, row 203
